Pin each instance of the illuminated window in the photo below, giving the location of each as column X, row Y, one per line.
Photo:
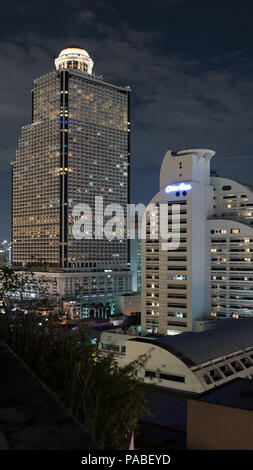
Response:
column 177, row 277
column 173, row 332
column 235, row 230
column 219, row 231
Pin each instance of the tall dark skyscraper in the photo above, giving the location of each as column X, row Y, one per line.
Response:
column 76, row 148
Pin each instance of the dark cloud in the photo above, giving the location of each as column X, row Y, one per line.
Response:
column 86, row 16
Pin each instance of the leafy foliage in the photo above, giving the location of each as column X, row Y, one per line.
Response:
column 106, row 398
column 22, row 290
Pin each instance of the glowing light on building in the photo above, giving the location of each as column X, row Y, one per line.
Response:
column 177, row 187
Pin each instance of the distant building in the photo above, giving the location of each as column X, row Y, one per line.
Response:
column 135, row 256
column 89, row 287
column 4, row 254
column 8, row 254
column 79, row 310
column 3, row 261
column 210, row 272
column 74, row 311
column 128, row 303
column 135, row 263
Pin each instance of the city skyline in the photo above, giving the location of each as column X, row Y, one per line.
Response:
column 191, row 89
column 126, row 235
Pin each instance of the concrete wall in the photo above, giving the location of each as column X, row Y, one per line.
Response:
column 218, row 427
column 127, row 304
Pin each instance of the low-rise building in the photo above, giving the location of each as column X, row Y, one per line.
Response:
column 193, row 362
column 127, row 304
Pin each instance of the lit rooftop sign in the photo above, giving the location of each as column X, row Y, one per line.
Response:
column 171, row 188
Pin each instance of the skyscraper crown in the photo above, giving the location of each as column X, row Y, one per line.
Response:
column 74, row 57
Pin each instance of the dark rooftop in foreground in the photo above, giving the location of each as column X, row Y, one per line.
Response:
column 165, row 427
column 229, row 335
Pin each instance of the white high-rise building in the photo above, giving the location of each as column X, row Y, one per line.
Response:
column 210, row 273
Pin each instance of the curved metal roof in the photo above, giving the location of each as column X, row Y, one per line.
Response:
column 229, row 335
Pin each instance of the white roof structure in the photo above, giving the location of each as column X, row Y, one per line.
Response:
column 74, row 57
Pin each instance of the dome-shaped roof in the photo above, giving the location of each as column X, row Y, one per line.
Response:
column 74, row 50
column 76, row 58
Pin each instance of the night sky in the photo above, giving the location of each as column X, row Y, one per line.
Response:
column 189, row 64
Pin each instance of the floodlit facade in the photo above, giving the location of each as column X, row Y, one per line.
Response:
column 210, row 271
column 76, row 148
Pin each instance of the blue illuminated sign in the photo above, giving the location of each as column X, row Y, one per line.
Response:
column 171, row 188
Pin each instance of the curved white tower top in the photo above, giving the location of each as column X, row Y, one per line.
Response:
column 74, row 57
column 186, row 165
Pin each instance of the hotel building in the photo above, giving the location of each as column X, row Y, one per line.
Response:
column 209, row 273
column 76, row 148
